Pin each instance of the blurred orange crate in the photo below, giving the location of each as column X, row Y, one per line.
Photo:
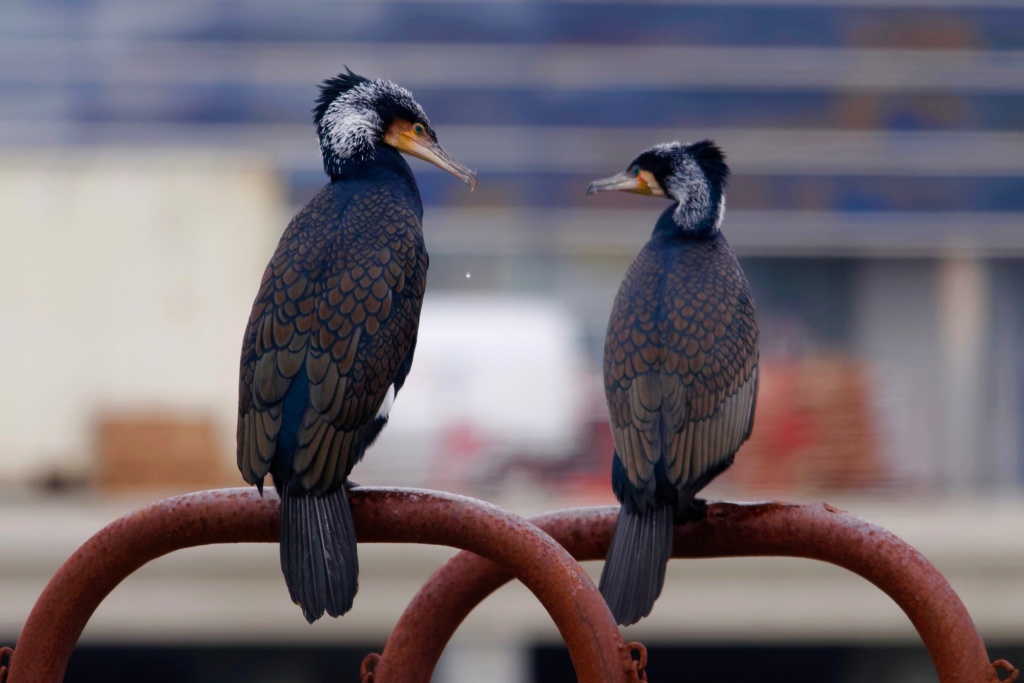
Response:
column 158, row 451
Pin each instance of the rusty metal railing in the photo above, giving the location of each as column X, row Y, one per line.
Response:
column 818, row 532
column 381, row 516
column 500, row 546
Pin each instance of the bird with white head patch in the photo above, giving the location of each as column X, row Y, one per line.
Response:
column 332, row 332
column 680, row 366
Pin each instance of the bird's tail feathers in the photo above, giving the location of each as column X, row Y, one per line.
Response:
column 318, row 552
column 634, row 572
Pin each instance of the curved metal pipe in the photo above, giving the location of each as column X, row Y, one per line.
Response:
column 381, row 515
column 818, row 532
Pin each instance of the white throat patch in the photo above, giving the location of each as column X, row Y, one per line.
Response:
column 689, row 185
column 389, row 400
column 721, row 213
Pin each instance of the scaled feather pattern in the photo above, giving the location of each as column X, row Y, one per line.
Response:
column 332, row 335
column 680, row 369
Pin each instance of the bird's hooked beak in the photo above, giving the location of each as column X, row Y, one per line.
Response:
column 641, row 182
column 413, row 140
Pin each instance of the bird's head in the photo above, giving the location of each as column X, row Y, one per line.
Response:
column 693, row 175
column 354, row 115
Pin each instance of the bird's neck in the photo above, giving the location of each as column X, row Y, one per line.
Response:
column 674, row 223
column 386, row 161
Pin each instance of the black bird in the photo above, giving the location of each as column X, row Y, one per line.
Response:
column 332, row 333
column 680, row 366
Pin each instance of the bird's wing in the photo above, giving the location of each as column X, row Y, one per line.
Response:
column 685, row 388
column 364, row 326
column 710, row 369
column 342, row 301
column 632, row 379
column 273, row 352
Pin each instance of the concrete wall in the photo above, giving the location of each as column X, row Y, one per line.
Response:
column 125, row 283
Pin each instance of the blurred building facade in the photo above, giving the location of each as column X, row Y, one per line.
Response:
column 153, row 154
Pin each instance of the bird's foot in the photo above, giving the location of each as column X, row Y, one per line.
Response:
column 695, row 511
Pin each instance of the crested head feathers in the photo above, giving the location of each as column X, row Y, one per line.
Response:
column 711, row 160
column 352, row 113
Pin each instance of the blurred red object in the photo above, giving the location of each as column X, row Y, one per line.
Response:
column 814, row 429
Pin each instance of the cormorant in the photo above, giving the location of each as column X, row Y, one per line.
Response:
column 332, row 332
column 680, row 366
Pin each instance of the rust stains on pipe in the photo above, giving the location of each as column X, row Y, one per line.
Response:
column 398, row 516
column 87, row 577
column 817, row 532
column 388, row 515
column 381, row 515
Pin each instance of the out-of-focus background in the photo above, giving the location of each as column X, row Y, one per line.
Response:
column 151, row 154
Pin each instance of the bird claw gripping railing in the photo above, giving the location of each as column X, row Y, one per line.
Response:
column 498, row 546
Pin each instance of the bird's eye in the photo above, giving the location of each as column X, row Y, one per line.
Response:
column 418, row 129
column 634, row 170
